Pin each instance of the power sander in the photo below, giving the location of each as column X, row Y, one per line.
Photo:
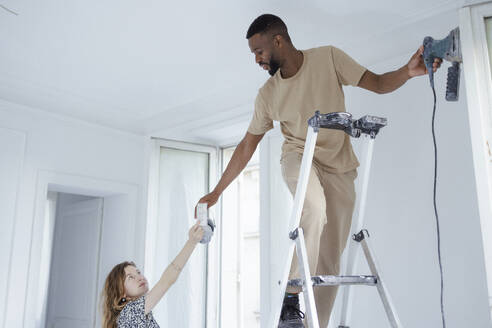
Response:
column 449, row 49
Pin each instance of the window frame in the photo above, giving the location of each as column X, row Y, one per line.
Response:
column 213, row 248
column 477, row 72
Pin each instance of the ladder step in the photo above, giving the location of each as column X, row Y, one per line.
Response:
column 320, row 281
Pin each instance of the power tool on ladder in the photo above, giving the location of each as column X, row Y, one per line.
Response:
column 368, row 126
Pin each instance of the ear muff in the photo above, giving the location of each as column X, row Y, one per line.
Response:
column 209, row 232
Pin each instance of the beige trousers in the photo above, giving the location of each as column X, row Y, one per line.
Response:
column 326, row 219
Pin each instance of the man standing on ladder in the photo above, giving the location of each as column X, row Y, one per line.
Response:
column 301, row 82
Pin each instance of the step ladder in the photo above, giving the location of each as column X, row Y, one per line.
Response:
column 368, row 126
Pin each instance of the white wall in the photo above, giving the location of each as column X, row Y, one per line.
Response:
column 12, row 144
column 400, row 213
column 64, row 146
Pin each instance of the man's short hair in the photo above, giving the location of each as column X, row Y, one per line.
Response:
column 268, row 23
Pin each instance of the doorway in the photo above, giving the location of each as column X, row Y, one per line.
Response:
column 115, row 233
column 73, row 275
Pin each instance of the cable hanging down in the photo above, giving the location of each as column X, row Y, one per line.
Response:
column 8, row 10
column 435, row 206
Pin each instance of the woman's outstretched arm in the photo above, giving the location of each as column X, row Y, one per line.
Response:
column 170, row 275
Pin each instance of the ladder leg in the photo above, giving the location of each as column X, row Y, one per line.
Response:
column 353, row 249
column 363, row 238
column 300, row 195
column 307, row 288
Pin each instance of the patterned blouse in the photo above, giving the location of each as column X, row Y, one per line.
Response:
column 133, row 316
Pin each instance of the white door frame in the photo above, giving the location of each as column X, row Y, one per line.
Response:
column 213, row 253
column 477, row 72
column 36, row 295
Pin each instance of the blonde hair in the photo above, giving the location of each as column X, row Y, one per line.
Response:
column 112, row 299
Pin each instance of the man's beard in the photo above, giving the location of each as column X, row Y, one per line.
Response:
column 274, row 66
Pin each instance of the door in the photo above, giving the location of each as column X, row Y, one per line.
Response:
column 73, row 286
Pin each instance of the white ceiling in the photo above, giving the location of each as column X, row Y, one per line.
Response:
column 166, row 68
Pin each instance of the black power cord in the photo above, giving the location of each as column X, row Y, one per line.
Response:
column 8, row 10
column 435, row 206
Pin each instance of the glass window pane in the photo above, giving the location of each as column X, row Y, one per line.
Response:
column 240, row 292
column 249, row 194
column 183, row 179
column 488, row 27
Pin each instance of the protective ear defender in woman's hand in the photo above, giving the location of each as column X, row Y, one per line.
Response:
column 208, row 232
column 207, row 224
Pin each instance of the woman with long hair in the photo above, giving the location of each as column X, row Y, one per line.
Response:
column 126, row 299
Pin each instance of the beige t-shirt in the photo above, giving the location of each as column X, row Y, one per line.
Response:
column 316, row 86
